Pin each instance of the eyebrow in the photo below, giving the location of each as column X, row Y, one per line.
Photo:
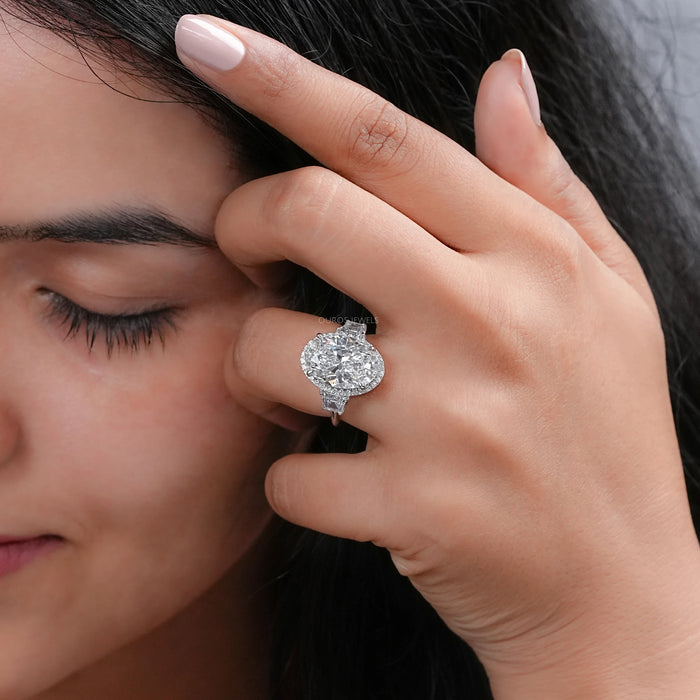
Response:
column 136, row 227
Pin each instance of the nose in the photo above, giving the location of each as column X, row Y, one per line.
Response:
column 9, row 434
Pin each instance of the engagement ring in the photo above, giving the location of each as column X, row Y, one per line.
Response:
column 342, row 364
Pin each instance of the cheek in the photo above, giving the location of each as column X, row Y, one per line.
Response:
column 153, row 473
column 147, row 464
column 152, row 450
column 147, row 447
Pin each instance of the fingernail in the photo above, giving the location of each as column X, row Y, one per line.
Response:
column 205, row 42
column 527, row 83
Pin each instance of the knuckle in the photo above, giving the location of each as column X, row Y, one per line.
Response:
column 479, row 418
column 282, row 485
column 558, row 251
column 570, row 196
column 300, row 199
column 563, row 181
column 224, row 231
column 379, row 137
column 415, row 559
column 515, row 327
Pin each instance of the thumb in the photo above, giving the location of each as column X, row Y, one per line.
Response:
column 512, row 141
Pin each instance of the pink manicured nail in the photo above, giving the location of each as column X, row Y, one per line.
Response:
column 207, row 43
column 527, row 82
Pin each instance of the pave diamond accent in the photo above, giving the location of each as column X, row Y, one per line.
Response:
column 342, row 364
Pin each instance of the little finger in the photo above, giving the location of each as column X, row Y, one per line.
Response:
column 512, row 141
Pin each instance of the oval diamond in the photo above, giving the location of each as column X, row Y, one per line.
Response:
column 343, row 361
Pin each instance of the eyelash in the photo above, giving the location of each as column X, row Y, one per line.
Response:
column 132, row 331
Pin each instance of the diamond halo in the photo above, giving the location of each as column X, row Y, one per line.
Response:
column 342, row 364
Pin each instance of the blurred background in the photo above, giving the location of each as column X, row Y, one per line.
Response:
column 669, row 31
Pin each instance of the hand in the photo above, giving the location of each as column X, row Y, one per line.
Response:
column 522, row 465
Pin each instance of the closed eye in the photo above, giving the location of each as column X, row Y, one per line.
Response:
column 118, row 331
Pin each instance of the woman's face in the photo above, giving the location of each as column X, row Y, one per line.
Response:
column 130, row 450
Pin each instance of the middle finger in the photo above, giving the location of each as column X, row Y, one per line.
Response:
column 344, row 235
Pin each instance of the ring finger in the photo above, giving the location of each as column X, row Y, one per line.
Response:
column 263, row 372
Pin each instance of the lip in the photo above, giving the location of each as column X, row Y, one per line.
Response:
column 15, row 552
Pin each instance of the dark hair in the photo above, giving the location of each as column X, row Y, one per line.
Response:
column 348, row 626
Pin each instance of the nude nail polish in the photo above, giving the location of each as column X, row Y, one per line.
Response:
column 527, row 82
column 205, row 42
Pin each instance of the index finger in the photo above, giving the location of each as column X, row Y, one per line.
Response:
column 353, row 131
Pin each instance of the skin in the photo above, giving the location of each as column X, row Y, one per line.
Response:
column 150, row 466
column 522, row 466
column 144, row 462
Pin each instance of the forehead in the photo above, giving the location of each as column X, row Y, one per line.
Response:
column 69, row 142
